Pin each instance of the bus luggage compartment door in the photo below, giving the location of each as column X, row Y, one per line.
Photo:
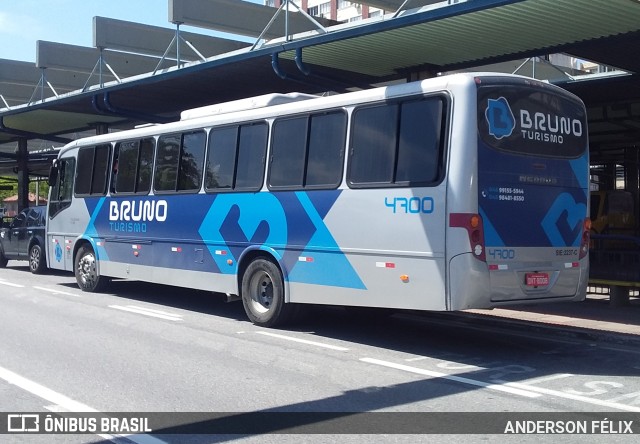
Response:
column 58, row 255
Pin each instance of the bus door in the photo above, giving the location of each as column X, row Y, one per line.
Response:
column 60, row 219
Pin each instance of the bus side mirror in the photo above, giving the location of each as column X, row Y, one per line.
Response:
column 53, row 174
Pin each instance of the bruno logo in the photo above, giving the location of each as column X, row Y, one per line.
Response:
column 132, row 216
column 500, row 118
column 138, row 211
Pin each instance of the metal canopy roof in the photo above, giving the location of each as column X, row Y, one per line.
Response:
column 238, row 17
column 473, row 33
column 80, row 59
column 136, row 38
column 430, row 40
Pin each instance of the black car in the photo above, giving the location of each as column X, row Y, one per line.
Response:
column 24, row 239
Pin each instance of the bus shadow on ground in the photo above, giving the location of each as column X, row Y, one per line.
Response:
column 200, row 301
column 446, row 336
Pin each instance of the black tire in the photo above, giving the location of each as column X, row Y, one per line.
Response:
column 37, row 261
column 3, row 259
column 262, row 294
column 86, row 271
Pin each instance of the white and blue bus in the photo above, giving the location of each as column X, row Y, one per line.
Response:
column 457, row 192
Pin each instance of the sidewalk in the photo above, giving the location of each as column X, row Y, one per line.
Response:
column 595, row 317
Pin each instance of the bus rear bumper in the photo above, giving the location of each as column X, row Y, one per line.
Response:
column 485, row 288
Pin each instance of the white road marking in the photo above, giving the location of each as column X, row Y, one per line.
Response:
column 148, row 312
column 559, row 394
column 11, row 284
column 63, row 403
column 632, row 396
column 43, row 392
column 303, row 341
column 420, row 358
column 420, row 371
column 546, row 378
column 54, row 291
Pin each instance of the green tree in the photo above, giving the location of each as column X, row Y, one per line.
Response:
column 11, row 186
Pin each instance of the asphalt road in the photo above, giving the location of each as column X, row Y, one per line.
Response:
column 148, row 348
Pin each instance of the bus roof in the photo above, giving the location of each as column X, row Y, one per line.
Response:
column 244, row 104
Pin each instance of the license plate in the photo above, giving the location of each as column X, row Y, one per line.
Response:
column 537, row 279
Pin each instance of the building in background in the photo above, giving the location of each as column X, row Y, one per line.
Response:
column 340, row 10
column 11, row 203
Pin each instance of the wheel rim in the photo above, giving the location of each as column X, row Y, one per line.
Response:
column 87, row 270
column 261, row 292
column 34, row 259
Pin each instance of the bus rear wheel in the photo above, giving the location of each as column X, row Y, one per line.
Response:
column 86, row 270
column 262, row 294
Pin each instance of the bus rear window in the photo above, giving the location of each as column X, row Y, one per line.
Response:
column 531, row 121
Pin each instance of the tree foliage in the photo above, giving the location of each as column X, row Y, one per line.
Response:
column 13, row 183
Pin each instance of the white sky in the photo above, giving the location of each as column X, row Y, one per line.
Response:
column 23, row 22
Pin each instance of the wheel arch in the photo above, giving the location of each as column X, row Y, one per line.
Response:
column 80, row 242
column 251, row 254
column 37, row 240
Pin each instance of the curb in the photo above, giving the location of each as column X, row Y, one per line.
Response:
column 531, row 327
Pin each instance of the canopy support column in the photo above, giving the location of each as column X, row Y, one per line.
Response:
column 22, row 154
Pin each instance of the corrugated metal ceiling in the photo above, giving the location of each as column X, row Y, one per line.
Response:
column 451, row 36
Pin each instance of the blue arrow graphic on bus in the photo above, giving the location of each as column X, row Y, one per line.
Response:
column 580, row 167
column 91, row 231
column 330, row 265
column 574, row 214
column 491, row 236
column 236, row 221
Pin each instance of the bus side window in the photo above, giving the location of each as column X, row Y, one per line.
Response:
column 236, row 157
column 419, row 143
column 191, row 161
column 131, row 171
column 145, row 165
column 252, row 151
column 288, row 152
column 373, row 144
column 100, row 169
column 167, row 158
column 327, row 136
column 62, row 189
column 397, row 143
column 93, row 170
column 123, row 170
column 221, row 158
column 308, row 151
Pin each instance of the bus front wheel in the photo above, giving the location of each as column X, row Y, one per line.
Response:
column 86, row 270
column 263, row 294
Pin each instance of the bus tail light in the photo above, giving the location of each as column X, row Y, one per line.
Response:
column 472, row 222
column 584, row 243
